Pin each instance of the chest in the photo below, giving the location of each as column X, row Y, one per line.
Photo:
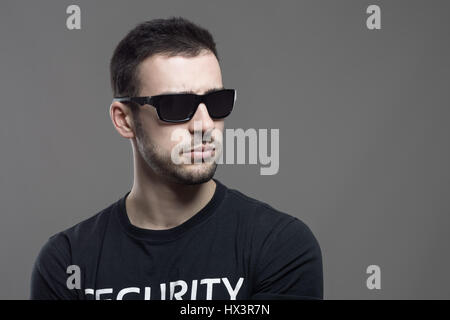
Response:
column 191, row 269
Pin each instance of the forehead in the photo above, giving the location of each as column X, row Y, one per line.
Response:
column 160, row 73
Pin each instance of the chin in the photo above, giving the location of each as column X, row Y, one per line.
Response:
column 195, row 173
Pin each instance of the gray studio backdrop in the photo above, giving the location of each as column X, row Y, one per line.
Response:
column 362, row 116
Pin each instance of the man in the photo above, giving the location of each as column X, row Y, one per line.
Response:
column 178, row 233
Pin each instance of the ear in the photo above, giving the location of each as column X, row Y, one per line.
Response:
column 122, row 119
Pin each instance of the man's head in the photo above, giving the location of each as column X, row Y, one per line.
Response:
column 158, row 57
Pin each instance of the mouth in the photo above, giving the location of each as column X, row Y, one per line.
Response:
column 202, row 148
column 201, row 152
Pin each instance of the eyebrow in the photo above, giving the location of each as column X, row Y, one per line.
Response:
column 192, row 92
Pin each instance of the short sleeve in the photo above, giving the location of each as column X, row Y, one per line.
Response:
column 49, row 277
column 290, row 265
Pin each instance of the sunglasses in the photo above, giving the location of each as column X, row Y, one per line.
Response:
column 181, row 107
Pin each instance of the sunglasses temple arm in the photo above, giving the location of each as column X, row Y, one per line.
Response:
column 140, row 100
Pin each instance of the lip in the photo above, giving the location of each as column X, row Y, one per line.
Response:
column 201, row 152
column 202, row 148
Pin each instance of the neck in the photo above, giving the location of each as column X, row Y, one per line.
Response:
column 158, row 203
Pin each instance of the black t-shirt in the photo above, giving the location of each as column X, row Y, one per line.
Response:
column 234, row 248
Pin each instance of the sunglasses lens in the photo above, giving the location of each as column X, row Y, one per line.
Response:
column 176, row 107
column 181, row 107
column 220, row 103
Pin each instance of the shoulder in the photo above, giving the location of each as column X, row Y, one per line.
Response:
column 262, row 212
column 92, row 227
column 287, row 258
column 61, row 245
column 270, row 223
column 63, row 249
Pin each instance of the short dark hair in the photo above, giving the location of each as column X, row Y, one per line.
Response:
column 170, row 37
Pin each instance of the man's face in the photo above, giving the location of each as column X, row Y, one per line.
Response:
column 158, row 75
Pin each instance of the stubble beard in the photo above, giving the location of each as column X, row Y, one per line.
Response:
column 161, row 163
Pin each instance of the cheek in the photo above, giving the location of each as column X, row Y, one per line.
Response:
column 173, row 137
column 156, row 133
column 166, row 138
column 219, row 124
column 219, row 127
column 217, row 134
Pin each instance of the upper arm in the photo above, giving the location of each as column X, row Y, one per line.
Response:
column 48, row 277
column 290, row 264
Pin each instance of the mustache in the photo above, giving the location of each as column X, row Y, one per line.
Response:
column 188, row 142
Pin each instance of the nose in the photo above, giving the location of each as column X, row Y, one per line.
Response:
column 201, row 121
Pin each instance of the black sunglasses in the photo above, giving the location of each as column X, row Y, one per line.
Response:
column 181, row 107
